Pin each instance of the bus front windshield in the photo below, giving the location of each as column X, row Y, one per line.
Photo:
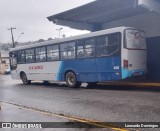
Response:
column 135, row 39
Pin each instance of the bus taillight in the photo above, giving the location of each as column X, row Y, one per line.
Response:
column 125, row 64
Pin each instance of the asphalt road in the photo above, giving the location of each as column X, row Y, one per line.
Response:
column 104, row 103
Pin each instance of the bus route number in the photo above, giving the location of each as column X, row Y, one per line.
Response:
column 116, row 68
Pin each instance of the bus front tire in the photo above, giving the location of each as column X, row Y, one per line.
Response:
column 71, row 80
column 25, row 80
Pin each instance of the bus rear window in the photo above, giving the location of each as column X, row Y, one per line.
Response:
column 135, row 39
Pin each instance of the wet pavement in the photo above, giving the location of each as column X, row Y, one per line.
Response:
column 104, row 103
column 14, row 113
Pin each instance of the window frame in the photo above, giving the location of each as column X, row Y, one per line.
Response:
column 53, row 52
column 40, row 54
column 66, row 43
column 83, row 43
column 106, row 35
column 21, row 57
column 31, row 55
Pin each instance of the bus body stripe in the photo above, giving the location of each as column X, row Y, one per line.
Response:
column 126, row 73
column 129, row 73
column 60, row 71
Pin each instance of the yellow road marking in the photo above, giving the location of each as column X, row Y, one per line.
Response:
column 82, row 120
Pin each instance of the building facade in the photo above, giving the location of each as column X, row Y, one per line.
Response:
column 4, row 62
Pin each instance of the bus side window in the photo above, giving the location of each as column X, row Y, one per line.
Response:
column 89, row 47
column 102, row 43
column 80, row 49
column 40, row 54
column 108, row 45
column 67, row 50
column 114, row 42
column 52, row 52
column 71, row 50
column 30, row 56
column 86, row 48
column 21, row 57
column 63, row 50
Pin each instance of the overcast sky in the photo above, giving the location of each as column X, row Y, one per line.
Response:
column 29, row 16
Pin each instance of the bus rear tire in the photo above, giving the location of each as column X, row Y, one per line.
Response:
column 71, row 80
column 25, row 80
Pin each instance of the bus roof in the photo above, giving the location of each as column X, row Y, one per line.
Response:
column 92, row 34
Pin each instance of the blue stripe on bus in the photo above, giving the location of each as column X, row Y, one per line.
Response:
column 60, row 71
column 92, row 70
column 126, row 73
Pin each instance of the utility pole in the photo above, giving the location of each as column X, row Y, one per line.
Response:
column 12, row 36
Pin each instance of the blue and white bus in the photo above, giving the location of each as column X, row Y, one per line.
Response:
column 107, row 55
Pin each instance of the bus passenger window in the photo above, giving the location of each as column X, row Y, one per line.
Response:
column 108, row 45
column 102, row 43
column 89, row 50
column 21, row 57
column 67, row 50
column 86, row 48
column 71, row 50
column 40, row 54
column 80, row 51
column 89, row 47
column 30, row 56
column 52, row 52
column 63, row 50
column 113, row 41
column 63, row 55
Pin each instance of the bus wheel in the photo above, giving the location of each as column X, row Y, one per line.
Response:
column 71, row 80
column 25, row 80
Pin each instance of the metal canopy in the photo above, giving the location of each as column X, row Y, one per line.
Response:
column 101, row 14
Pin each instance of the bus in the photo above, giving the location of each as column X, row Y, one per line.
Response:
column 109, row 55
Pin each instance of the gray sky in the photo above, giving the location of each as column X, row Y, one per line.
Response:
column 29, row 16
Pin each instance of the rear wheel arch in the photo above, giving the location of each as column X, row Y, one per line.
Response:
column 67, row 71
